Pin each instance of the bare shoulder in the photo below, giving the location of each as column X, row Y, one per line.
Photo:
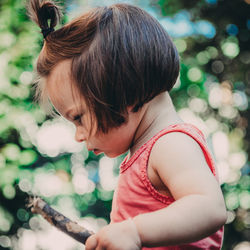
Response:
column 181, row 165
column 175, row 146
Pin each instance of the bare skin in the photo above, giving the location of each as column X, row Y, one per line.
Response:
column 159, row 113
column 199, row 208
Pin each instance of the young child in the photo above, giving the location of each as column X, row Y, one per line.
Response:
column 109, row 72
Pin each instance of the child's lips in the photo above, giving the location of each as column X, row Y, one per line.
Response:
column 96, row 151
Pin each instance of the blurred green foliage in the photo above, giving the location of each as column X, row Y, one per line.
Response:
column 219, row 64
column 223, row 58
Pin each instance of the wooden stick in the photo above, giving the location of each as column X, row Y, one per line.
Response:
column 58, row 220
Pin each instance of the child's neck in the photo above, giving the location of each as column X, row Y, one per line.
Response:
column 157, row 115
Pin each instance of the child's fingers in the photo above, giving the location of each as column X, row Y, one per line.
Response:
column 91, row 243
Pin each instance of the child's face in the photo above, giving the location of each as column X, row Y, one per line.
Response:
column 73, row 107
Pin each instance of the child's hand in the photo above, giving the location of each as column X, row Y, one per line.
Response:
column 117, row 236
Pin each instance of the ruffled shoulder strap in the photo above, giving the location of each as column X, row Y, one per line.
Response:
column 190, row 130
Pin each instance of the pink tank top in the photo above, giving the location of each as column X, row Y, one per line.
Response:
column 135, row 194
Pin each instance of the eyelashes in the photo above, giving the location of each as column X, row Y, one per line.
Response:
column 78, row 119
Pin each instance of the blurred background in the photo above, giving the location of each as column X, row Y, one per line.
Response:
column 38, row 154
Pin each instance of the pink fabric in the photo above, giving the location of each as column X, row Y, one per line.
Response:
column 135, row 194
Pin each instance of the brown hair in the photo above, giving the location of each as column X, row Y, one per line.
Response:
column 121, row 56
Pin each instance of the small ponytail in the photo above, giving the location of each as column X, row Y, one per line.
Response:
column 41, row 11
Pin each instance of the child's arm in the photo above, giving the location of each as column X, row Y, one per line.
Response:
column 199, row 209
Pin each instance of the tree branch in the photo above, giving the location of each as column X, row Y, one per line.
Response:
column 58, row 220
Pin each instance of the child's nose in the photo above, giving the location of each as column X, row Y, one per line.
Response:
column 80, row 135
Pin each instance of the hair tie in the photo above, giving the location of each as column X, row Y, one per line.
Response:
column 47, row 31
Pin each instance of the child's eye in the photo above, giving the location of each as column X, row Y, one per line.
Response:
column 77, row 119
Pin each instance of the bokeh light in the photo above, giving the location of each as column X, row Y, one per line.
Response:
column 195, row 74
column 211, row 1
column 203, row 57
column 25, row 185
column 230, row 49
column 232, row 29
column 26, row 78
column 22, row 214
column 217, row 67
column 198, row 105
column 38, row 154
column 11, row 152
column 9, row 191
column 205, row 28
column 181, row 45
column 232, row 200
column 54, row 185
column 81, row 182
column 108, row 180
column 6, row 220
column 243, row 245
column 5, row 241
column 55, row 137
